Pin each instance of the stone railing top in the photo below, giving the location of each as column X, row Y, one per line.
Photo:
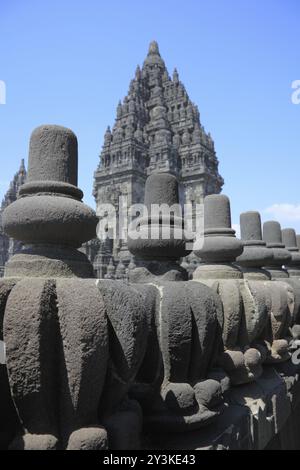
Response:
column 49, row 216
column 273, row 238
column 255, row 254
column 220, row 244
column 290, row 240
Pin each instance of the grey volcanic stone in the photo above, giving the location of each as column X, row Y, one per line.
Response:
column 30, row 334
column 290, row 241
column 49, row 216
column 84, row 357
column 162, row 248
column 255, row 254
column 293, row 268
column 128, row 325
column 9, row 421
column 161, row 188
column 217, row 213
column 89, row 438
column 50, row 219
column 53, row 155
column 244, row 311
column 273, row 238
column 220, row 244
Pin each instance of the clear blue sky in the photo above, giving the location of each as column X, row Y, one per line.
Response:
column 69, row 62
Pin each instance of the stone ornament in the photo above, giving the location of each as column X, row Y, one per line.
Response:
column 62, row 328
column 176, row 385
column 276, row 296
column 244, row 309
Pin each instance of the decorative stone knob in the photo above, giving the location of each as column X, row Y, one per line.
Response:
column 273, row 238
column 49, row 216
column 220, row 244
column 169, row 242
column 290, row 241
column 255, row 254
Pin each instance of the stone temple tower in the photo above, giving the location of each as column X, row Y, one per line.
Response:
column 157, row 129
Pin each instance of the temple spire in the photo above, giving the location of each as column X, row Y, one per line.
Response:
column 153, row 48
column 153, row 57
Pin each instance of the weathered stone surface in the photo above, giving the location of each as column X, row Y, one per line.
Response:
column 293, row 269
column 53, row 155
column 273, row 238
column 159, row 250
column 255, row 254
column 83, row 355
column 96, row 365
column 90, row 438
column 220, row 244
column 274, row 301
column 9, row 421
column 49, row 216
column 31, row 337
column 244, row 314
column 128, row 326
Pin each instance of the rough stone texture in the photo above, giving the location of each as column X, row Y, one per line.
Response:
column 128, row 327
column 273, row 238
column 244, row 303
column 255, row 254
column 160, row 251
column 176, row 395
column 96, row 365
column 274, row 298
column 48, row 214
column 83, row 355
column 53, row 155
column 181, row 397
column 157, row 129
column 30, row 334
column 90, row 438
column 8, row 417
column 260, row 415
column 73, row 349
column 220, row 243
column 290, row 241
column 293, row 269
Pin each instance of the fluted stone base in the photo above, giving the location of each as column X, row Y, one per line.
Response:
column 49, row 261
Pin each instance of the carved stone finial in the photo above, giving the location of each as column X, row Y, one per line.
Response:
column 162, row 241
column 273, row 238
column 255, row 254
column 298, row 241
column 49, row 216
column 290, row 241
column 153, row 48
column 175, row 76
column 220, row 247
column 153, row 58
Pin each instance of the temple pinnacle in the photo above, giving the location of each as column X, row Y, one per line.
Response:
column 153, row 48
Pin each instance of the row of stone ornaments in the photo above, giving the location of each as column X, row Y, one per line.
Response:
column 88, row 362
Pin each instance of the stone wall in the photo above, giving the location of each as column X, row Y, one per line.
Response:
column 160, row 361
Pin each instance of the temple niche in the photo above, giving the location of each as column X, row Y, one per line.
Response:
column 157, row 129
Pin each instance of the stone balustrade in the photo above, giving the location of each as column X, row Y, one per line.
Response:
column 159, row 361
